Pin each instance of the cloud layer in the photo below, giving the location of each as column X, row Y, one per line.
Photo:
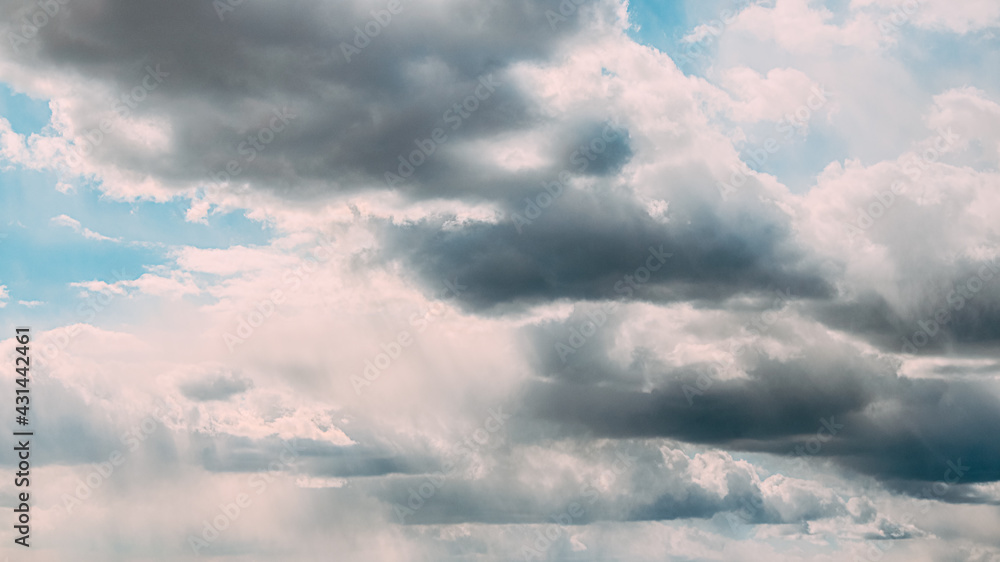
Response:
column 535, row 289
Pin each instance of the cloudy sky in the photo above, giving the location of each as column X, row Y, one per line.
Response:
column 492, row 280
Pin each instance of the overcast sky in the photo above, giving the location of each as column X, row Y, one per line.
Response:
column 492, row 280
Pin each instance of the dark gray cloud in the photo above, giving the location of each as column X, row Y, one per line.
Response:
column 955, row 311
column 585, row 244
column 218, row 387
column 958, row 492
column 893, row 428
column 348, row 120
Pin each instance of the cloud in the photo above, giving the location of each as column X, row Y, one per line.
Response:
column 803, row 25
column 714, row 253
column 175, row 285
column 937, row 15
column 67, row 221
column 217, row 388
column 779, row 405
column 380, row 102
column 715, row 340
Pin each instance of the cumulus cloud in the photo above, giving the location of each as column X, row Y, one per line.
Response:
column 531, row 290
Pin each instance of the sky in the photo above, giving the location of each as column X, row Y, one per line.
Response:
column 562, row 280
